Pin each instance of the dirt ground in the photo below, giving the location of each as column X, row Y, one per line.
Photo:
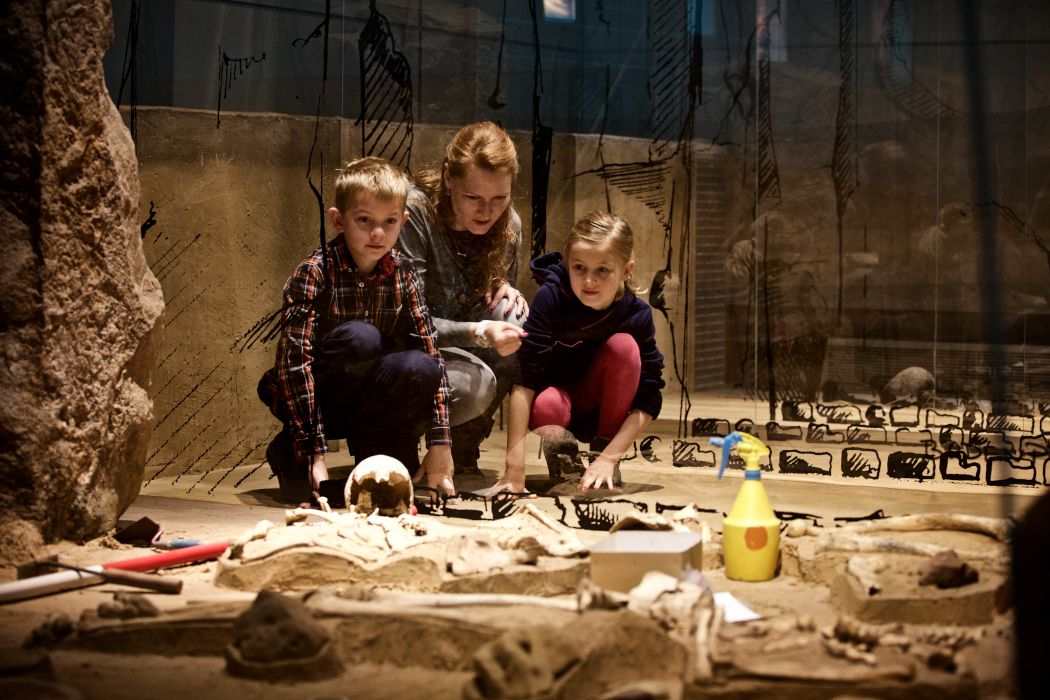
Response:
column 145, row 667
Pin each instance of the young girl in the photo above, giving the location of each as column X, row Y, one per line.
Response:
column 589, row 361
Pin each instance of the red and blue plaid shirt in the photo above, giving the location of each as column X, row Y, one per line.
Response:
column 390, row 298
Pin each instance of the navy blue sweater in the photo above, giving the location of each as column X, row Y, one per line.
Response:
column 564, row 335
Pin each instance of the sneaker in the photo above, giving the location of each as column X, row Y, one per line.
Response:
column 466, row 441
column 291, row 476
column 562, row 454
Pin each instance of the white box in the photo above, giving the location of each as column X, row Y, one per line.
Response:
column 621, row 560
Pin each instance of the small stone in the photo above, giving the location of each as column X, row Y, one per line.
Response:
column 126, row 606
column 277, row 628
column 947, row 570
column 54, row 629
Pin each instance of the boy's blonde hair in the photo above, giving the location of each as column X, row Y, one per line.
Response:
column 373, row 176
column 604, row 229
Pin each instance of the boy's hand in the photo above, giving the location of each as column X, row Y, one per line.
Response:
column 437, row 468
column 318, row 471
column 516, row 303
column 599, row 473
column 504, row 338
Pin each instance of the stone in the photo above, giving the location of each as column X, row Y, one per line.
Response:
column 126, row 606
column 912, row 384
column 947, row 570
column 587, row 658
column 80, row 316
column 518, row 664
column 277, row 639
column 277, row 627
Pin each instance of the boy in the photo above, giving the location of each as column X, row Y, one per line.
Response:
column 357, row 356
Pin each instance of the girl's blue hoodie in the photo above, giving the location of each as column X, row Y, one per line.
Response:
column 564, row 335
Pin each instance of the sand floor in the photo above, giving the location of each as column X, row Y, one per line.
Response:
column 221, row 506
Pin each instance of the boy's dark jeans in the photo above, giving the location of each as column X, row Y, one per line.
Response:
column 381, row 402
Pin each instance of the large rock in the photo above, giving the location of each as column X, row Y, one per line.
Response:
column 80, row 311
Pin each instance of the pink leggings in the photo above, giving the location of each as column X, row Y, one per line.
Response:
column 610, row 385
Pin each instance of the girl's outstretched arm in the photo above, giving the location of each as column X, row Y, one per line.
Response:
column 521, row 400
column 600, row 471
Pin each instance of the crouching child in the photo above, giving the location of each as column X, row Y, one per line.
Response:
column 357, row 355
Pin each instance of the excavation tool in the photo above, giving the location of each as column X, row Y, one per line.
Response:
column 152, row 582
column 67, row 580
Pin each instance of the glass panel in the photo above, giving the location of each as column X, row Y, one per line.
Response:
column 840, row 209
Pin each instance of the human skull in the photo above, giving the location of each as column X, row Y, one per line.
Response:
column 379, row 483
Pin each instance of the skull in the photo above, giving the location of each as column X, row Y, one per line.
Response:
column 379, row 482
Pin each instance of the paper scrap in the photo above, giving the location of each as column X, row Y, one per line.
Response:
column 733, row 609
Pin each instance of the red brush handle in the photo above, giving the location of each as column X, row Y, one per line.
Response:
column 185, row 555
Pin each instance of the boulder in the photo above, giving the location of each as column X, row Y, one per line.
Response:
column 80, row 310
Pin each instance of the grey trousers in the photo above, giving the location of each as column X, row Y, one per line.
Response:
column 479, row 377
column 472, row 384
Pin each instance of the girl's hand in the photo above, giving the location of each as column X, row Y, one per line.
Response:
column 514, row 473
column 504, row 338
column 599, row 474
column 516, row 303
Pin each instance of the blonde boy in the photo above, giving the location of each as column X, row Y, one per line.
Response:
column 357, row 356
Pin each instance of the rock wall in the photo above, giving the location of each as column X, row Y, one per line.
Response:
column 81, row 310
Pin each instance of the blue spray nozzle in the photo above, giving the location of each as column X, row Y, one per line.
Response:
column 746, row 445
column 727, row 444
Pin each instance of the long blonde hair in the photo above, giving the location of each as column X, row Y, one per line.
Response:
column 604, row 229
column 487, row 147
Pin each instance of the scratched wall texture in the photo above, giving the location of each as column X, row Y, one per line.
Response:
column 844, row 205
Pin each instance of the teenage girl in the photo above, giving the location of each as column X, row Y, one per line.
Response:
column 589, row 361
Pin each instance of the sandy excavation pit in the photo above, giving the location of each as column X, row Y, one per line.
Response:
column 520, row 620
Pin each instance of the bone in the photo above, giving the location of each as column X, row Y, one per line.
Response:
column 401, row 599
column 953, row 637
column 866, row 570
column 259, row 532
column 380, row 483
column 787, row 643
column 850, row 542
column 674, row 604
column 541, row 516
column 474, row 553
column 688, row 518
column 844, row 650
column 999, row 528
column 800, row 528
column 712, row 636
column 591, row 597
column 396, row 536
column 704, row 669
column 644, row 521
column 296, row 515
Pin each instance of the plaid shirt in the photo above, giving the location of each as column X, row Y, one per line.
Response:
column 391, row 299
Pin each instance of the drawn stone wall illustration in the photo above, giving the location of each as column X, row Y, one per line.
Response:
column 870, row 257
column 818, row 238
column 81, row 309
column 232, row 220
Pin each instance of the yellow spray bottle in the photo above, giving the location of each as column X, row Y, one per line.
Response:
column 751, row 531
